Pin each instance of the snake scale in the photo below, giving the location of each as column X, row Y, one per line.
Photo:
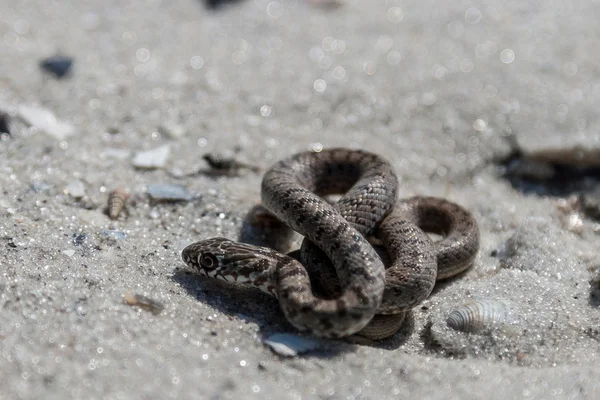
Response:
column 351, row 283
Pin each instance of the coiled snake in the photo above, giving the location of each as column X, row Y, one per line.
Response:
column 354, row 286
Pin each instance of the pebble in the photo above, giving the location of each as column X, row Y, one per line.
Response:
column 75, row 189
column 4, row 123
column 225, row 164
column 168, row 192
column 172, row 130
column 58, row 66
column 151, row 159
column 113, row 234
column 79, row 239
column 289, row 345
column 40, row 186
column 45, row 121
column 216, row 4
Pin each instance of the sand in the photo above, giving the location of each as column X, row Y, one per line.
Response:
column 445, row 91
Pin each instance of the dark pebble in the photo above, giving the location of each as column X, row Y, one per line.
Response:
column 216, row 4
column 79, row 239
column 59, row 66
column 4, row 123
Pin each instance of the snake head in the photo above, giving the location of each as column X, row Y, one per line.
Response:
column 206, row 256
column 229, row 261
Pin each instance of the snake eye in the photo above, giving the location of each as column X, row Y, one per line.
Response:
column 208, row 262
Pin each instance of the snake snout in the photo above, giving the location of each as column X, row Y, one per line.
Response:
column 205, row 256
column 189, row 256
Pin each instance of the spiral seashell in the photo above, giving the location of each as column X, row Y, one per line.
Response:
column 478, row 315
column 116, row 202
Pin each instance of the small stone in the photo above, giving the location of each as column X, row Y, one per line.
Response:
column 172, row 130
column 45, row 121
column 112, row 234
column 290, row 345
column 216, row 4
column 168, row 192
column 58, row 66
column 4, row 123
column 39, row 186
column 76, row 189
column 79, row 239
column 151, row 159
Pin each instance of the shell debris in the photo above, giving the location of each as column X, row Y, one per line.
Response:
column 478, row 315
column 153, row 158
column 289, row 345
column 143, row 302
column 117, row 199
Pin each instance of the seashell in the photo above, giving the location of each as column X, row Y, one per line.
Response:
column 116, row 202
column 478, row 315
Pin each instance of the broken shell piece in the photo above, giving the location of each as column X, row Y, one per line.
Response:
column 289, row 345
column 45, row 121
column 152, row 159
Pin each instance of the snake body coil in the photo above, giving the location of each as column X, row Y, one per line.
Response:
column 292, row 191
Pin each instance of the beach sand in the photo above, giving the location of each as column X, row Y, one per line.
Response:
column 447, row 91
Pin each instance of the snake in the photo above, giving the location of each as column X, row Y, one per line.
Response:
column 348, row 289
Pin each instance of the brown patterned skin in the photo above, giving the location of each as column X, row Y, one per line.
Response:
column 291, row 190
column 457, row 250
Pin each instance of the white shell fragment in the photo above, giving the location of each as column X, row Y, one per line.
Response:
column 45, row 121
column 69, row 253
column 151, row 159
column 168, row 192
column 478, row 315
column 290, row 345
column 75, row 189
